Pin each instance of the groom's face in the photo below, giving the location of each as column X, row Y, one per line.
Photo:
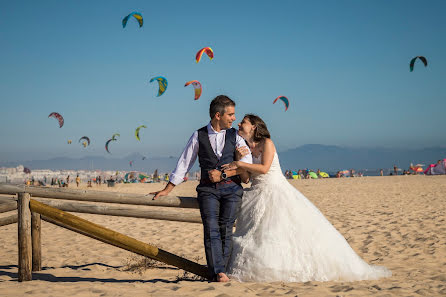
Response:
column 227, row 118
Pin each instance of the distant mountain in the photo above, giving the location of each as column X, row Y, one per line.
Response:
column 330, row 157
column 314, row 156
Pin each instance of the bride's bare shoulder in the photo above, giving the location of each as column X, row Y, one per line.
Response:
column 268, row 145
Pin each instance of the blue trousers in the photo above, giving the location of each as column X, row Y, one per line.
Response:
column 219, row 206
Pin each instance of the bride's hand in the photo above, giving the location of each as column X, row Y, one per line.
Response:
column 230, row 166
column 240, row 152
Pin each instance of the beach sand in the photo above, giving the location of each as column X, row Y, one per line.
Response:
column 398, row 222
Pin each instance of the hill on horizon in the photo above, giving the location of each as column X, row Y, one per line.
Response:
column 313, row 156
column 333, row 158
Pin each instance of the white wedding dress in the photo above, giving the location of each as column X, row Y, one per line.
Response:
column 282, row 236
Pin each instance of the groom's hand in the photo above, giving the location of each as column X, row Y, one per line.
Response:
column 158, row 194
column 215, row 175
column 163, row 192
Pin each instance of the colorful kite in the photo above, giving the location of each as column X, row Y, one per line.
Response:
column 134, row 14
column 84, row 144
column 58, row 117
column 162, row 82
column 86, row 138
column 197, row 87
column 69, row 141
column 106, row 145
column 114, row 136
column 137, row 131
column 206, row 50
column 285, row 101
column 412, row 62
column 131, row 163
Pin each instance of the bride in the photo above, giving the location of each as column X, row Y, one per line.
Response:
column 280, row 234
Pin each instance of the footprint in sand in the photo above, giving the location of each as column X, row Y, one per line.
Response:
column 340, row 288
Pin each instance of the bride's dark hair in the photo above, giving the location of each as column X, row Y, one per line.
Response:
column 261, row 130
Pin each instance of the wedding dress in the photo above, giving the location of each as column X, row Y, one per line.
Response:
column 282, row 236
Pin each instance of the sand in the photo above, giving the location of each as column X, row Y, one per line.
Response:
column 398, row 222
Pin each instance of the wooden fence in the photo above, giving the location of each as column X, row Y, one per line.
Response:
column 30, row 212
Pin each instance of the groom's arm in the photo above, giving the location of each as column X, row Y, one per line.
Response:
column 244, row 174
column 184, row 164
column 215, row 175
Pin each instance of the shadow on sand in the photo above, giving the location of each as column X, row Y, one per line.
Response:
column 13, row 274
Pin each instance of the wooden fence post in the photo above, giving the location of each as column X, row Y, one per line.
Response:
column 117, row 239
column 24, row 237
column 36, row 241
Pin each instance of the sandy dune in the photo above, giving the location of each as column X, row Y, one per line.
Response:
column 398, row 222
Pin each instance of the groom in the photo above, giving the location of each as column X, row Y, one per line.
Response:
column 215, row 145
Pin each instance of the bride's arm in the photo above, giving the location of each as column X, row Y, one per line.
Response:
column 267, row 160
column 215, row 175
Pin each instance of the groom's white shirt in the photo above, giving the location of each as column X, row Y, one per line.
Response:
column 190, row 153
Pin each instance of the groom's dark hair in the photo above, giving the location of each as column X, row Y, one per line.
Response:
column 219, row 104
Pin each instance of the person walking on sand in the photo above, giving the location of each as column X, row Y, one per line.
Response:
column 78, row 180
column 215, row 144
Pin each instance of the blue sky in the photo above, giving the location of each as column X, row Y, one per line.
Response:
column 344, row 65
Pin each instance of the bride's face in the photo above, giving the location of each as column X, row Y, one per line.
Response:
column 246, row 129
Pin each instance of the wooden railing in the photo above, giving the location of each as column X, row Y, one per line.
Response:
column 31, row 211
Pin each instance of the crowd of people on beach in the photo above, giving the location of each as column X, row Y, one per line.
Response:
column 64, row 182
column 164, row 178
column 311, row 174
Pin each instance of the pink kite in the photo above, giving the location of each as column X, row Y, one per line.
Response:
column 206, row 50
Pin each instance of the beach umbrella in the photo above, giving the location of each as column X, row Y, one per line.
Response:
column 312, row 174
column 324, row 174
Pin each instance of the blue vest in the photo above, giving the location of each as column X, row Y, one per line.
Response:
column 207, row 158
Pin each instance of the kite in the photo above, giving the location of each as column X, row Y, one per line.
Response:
column 58, row 117
column 114, row 136
column 86, row 138
column 134, row 14
column 131, row 163
column 206, row 50
column 106, row 144
column 197, row 87
column 162, row 82
column 26, row 170
column 412, row 62
column 69, row 141
column 137, row 131
column 143, row 157
column 285, row 101
column 84, row 144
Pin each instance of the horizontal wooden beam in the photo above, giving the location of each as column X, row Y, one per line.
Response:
column 8, row 220
column 8, row 206
column 100, row 196
column 117, row 239
column 122, row 211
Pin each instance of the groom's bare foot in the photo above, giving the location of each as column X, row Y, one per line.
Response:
column 222, row 278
